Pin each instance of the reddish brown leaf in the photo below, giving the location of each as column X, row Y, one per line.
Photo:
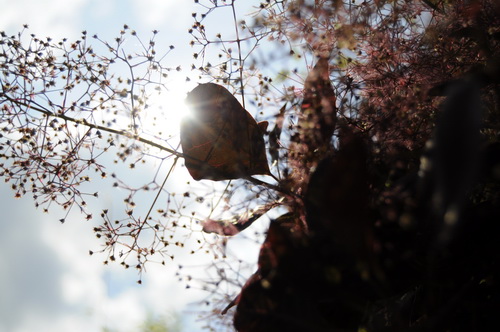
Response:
column 318, row 107
column 274, row 135
column 221, row 140
column 239, row 222
column 235, row 225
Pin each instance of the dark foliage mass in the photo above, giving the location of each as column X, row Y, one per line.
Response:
column 423, row 256
column 397, row 226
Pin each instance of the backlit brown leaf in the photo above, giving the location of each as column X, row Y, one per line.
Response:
column 221, row 140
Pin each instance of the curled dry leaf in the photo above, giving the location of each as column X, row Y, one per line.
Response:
column 318, row 107
column 221, row 140
column 238, row 223
column 274, row 135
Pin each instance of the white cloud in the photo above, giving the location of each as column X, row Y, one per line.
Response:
column 54, row 18
column 161, row 13
column 30, row 276
column 49, row 282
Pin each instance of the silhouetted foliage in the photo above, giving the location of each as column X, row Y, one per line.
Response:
column 384, row 147
column 400, row 216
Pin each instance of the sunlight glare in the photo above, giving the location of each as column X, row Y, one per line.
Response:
column 166, row 110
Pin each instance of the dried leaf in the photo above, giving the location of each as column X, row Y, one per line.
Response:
column 238, row 223
column 274, row 135
column 221, row 140
column 261, row 296
column 337, row 198
column 318, row 107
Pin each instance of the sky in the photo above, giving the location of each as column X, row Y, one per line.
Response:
column 48, row 281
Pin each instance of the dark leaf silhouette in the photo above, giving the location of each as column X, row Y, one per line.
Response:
column 455, row 151
column 312, row 140
column 274, row 135
column 221, row 140
column 272, row 298
column 318, row 107
column 337, row 199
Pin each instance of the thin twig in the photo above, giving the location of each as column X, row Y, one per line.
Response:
column 238, row 42
column 161, row 188
column 96, row 126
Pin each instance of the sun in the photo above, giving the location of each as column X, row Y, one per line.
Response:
column 165, row 111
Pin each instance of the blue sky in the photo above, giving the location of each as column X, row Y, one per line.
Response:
column 48, row 282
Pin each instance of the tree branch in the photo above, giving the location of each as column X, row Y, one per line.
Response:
column 84, row 122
